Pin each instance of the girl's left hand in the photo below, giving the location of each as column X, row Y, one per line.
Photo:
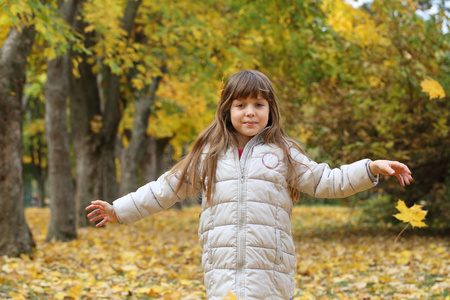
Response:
column 387, row 167
column 103, row 210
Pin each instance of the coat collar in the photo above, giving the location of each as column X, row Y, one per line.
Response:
column 257, row 139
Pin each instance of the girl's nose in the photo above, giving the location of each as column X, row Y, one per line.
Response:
column 250, row 111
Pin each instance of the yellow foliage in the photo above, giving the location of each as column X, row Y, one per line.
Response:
column 141, row 68
column 76, row 62
column 50, row 53
column 112, row 45
column 440, row 127
column 5, row 25
column 127, row 121
column 26, row 159
column 17, row 296
column 117, row 163
column 160, row 257
column 137, row 83
column 96, row 123
column 230, row 296
column 125, row 141
column 75, row 291
column 35, row 127
column 89, row 28
column 414, row 215
column 353, row 24
column 21, row 9
column 432, row 88
column 180, row 113
column 171, row 50
column 375, row 81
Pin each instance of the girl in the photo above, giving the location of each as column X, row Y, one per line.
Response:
column 250, row 173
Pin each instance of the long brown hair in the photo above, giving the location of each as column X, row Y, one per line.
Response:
column 220, row 134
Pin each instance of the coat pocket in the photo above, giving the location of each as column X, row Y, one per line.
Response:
column 207, row 251
column 278, row 251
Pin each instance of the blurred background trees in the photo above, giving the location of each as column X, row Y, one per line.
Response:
column 141, row 79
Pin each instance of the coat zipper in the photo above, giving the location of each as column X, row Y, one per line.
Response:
column 240, row 241
column 240, row 286
column 241, row 223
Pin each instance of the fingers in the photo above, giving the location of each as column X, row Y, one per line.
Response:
column 407, row 178
column 96, row 207
column 400, row 179
column 100, row 212
column 89, row 207
column 410, row 177
column 97, row 215
column 103, row 222
column 96, row 203
column 96, row 218
column 403, row 174
column 401, row 168
column 397, row 169
column 95, row 212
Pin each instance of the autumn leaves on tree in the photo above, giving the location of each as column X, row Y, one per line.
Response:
column 367, row 82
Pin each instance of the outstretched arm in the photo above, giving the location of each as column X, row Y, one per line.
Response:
column 387, row 167
column 103, row 210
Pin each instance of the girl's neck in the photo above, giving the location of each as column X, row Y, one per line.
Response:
column 242, row 141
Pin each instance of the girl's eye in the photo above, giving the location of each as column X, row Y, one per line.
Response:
column 259, row 104
column 240, row 105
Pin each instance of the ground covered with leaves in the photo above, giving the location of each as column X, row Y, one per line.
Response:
column 159, row 258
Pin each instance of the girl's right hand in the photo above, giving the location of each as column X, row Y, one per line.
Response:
column 103, row 210
column 387, row 167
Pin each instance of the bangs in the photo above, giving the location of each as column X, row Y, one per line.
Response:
column 252, row 84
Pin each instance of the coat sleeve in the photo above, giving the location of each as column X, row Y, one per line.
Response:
column 320, row 181
column 151, row 198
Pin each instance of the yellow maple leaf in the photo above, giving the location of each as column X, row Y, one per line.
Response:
column 414, row 215
column 75, row 291
column 230, row 296
column 433, row 88
column 17, row 296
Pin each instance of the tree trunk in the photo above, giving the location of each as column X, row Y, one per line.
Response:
column 154, row 163
column 16, row 237
column 41, row 191
column 95, row 151
column 133, row 154
column 62, row 226
column 84, row 105
column 112, row 116
column 111, row 119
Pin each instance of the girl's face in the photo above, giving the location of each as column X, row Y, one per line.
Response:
column 249, row 116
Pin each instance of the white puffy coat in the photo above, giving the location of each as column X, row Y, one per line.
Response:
column 245, row 230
